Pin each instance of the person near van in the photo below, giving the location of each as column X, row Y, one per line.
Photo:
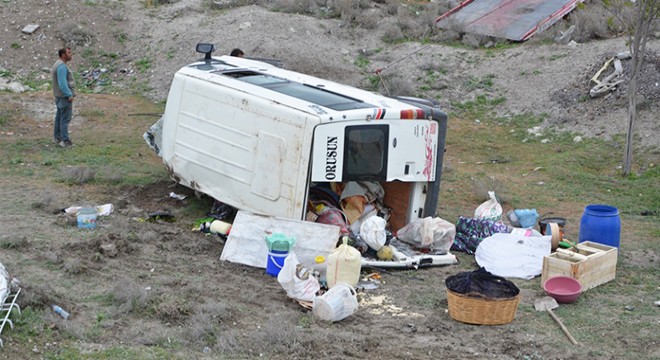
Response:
column 63, row 89
column 237, row 52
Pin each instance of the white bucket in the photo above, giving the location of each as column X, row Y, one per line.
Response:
column 336, row 304
column 86, row 218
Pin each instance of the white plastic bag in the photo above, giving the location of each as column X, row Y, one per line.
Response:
column 297, row 280
column 489, row 209
column 373, row 232
column 427, row 233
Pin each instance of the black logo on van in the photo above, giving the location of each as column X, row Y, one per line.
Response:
column 331, row 158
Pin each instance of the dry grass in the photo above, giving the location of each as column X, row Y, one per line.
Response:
column 481, row 187
column 590, row 23
column 130, row 297
column 74, row 266
column 13, row 242
column 173, row 308
column 78, row 174
column 206, row 323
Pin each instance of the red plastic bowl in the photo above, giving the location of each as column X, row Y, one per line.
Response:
column 563, row 288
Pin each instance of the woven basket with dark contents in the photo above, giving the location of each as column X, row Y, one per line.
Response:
column 478, row 309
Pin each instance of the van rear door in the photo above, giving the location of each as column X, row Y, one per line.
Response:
column 383, row 150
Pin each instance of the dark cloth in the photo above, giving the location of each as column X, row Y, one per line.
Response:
column 483, row 283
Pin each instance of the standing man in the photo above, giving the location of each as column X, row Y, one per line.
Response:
column 63, row 89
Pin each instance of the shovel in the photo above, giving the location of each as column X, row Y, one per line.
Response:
column 548, row 303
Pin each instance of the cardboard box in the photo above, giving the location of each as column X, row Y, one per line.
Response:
column 596, row 266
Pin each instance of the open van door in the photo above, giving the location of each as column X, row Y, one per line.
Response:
column 383, row 150
column 404, row 156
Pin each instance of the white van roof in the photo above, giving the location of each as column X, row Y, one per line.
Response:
column 326, row 99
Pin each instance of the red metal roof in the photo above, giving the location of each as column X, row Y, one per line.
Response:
column 515, row 20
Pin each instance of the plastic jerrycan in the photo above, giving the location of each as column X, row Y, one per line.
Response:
column 344, row 265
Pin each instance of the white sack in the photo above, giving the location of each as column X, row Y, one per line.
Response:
column 489, row 209
column 373, row 233
column 510, row 255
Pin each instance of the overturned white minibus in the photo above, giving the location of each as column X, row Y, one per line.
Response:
column 258, row 137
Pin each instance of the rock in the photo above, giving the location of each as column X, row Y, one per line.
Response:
column 29, row 29
column 109, row 250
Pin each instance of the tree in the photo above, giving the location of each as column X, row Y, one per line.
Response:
column 638, row 19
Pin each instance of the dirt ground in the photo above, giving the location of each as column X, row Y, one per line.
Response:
column 159, row 285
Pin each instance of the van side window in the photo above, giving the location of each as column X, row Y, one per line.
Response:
column 309, row 93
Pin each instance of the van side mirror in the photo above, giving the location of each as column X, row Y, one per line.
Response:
column 205, row 48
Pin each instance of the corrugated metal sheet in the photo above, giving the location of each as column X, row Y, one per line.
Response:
column 515, row 20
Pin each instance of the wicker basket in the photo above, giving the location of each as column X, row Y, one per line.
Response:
column 481, row 310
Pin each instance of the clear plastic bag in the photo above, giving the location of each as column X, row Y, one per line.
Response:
column 427, row 233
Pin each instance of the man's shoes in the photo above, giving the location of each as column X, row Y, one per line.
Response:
column 66, row 144
column 57, row 140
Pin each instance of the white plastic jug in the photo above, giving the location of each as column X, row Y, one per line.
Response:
column 336, row 304
column 344, row 265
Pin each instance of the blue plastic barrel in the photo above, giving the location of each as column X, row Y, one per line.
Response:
column 601, row 224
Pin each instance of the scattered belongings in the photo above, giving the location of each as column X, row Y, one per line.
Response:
column 101, row 210
column 9, row 291
column 481, row 298
column 86, row 216
column 428, row 233
column 511, row 255
column 297, row 280
column 344, row 265
column 336, row 304
column 592, row 264
column 160, row 216
column 564, row 289
column 245, row 244
column 489, row 209
column 176, row 196
column 279, row 247
column 526, row 217
column 471, row 231
column 547, row 304
column 218, row 227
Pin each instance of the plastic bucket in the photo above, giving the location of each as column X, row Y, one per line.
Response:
column 275, row 262
column 279, row 243
column 336, row 304
column 543, row 224
column 86, row 218
column 601, row 224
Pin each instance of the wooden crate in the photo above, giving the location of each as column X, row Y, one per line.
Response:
column 597, row 266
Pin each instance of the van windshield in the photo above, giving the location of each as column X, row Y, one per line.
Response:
column 300, row 91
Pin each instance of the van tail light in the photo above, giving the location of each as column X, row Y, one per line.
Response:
column 413, row 114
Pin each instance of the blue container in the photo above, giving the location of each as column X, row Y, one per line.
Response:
column 601, row 224
column 275, row 262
